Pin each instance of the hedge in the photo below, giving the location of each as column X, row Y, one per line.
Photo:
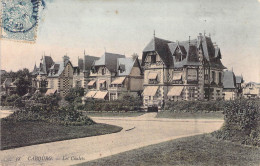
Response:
column 242, row 122
column 194, row 106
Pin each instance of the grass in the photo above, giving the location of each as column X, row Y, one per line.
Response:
column 190, row 115
column 19, row 134
column 196, row 150
column 114, row 114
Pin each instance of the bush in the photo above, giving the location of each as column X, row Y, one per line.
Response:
column 55, row 114
column 194, row 106
column 74, row 93
column 125, row 103
column 242, row 122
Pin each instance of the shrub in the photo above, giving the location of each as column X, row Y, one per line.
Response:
column 126, row 102
column 242, row 122
column 58, row 115
column 194, row 106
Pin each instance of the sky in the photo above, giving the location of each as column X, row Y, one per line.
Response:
column 126, row 27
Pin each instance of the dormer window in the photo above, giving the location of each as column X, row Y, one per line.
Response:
column 121, row 68
column 153, row 58
column 179, row 55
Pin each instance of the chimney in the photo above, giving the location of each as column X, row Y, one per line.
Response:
column 65, row 59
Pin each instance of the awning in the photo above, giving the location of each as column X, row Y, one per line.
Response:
column 150, row 90
column 100, row 95
column 90, row 94
column 101, row 81
column 91, row 83
column 51, row 91
column 175, row 91
column 119, row 80
column 152, row 75
column 177, row 76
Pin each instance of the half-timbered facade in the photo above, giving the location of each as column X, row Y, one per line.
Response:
column 187, row 70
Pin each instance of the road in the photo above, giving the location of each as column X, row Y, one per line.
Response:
column 137, row 132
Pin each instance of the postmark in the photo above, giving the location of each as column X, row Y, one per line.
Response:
column 20, row 19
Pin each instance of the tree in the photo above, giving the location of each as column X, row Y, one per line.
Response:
column 74, row 93
column 22, row 85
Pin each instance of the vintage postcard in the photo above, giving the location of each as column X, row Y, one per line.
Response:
column 110, row 82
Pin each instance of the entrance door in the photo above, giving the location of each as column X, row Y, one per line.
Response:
column 152, row 109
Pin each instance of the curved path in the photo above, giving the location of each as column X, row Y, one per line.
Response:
column 137, row 132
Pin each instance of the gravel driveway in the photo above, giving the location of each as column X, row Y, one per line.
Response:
column 137, row 132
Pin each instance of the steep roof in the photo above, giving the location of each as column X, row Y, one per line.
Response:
column 126, row 64
column 45, row 65
column 109, row 60
column 88, row 62
column 80, row 64
column 229, row 80
column 239, row 79
column 210, row 52
column 161, row 47
column 192, row 55
column 57, row 68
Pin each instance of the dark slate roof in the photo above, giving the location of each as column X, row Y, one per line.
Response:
column 45, row 65
column 125, row 64
column 229, row 80
column 109, row 60
column 161, row 47
column 80, row 64
column 192, row 56
column 88, row 61
column 57, row 68
column 239, row 79
column 211, row 54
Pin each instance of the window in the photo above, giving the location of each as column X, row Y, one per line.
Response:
column 213, row 76
column 220, row 78
column 103, row 71
column 153, row 59
column 192, row 74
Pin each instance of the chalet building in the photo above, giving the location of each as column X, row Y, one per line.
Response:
column 60, row 77
column 187, row 70
column 114, row 74
column 251, row 90
column 39, row 74
column 129, row 78
column 230, row 90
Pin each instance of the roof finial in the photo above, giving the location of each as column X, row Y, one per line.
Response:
column 189, row 40
column 84, row 52
column 204, row 32
column 153, row 33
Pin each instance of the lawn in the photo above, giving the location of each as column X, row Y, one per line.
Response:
column 196, row 150
column 114, row 114
column 190, row 115
column 18, row 134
